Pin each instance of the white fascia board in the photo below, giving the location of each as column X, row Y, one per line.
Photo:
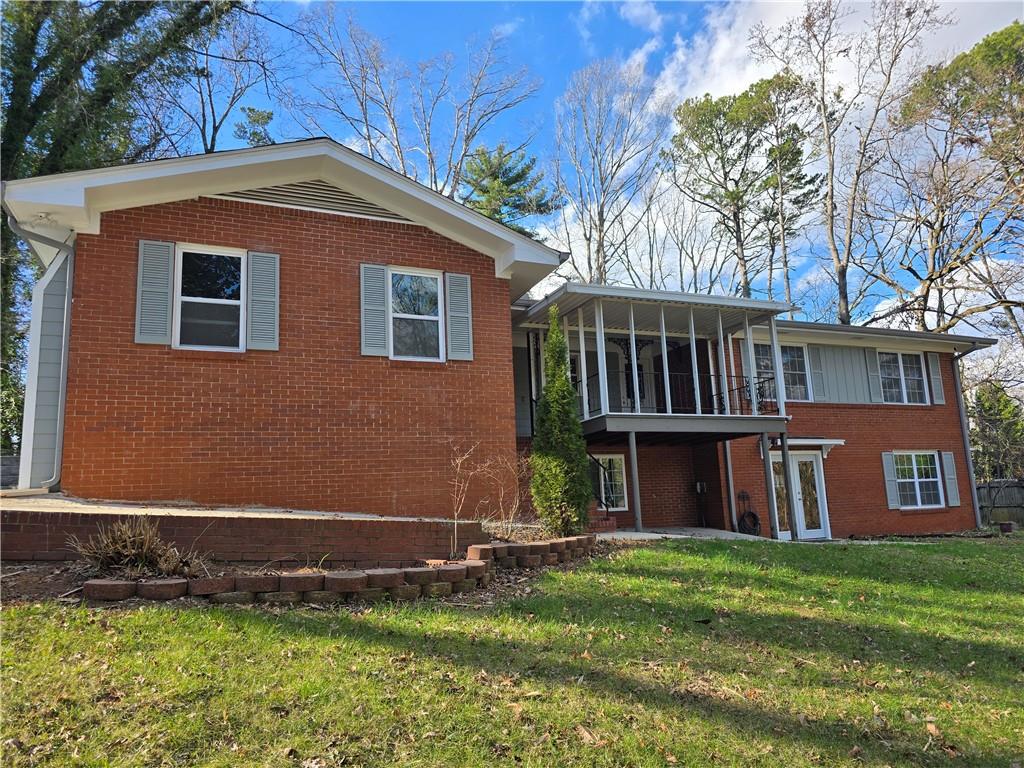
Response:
column 77, row 199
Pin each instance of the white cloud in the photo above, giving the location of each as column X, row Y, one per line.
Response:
column 642, row 14
column 507, row 28
column 638, row 58
column 589, row 11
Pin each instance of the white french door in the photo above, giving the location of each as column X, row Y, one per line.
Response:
column 810, row 507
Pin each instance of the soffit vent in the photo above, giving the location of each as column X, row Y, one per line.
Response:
column 315, row 195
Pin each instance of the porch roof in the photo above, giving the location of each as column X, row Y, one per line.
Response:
column 647, row 306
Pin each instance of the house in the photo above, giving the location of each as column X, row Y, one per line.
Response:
column 298, row 326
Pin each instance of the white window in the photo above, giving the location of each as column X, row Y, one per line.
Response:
column 209, row 298
column 902, row 377
column 917, row 480
column 794, row 370
column 610, row 481
column 417, row 328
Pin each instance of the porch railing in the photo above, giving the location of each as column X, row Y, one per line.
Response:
column 682, row 391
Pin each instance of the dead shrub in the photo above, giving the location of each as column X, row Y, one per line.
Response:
column 134, row 548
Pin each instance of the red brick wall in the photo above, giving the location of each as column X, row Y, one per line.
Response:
column 854, row 484
column 314, row 425
column 355, row 543
column 666, row 473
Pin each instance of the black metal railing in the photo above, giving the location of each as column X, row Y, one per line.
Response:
column 682, row 393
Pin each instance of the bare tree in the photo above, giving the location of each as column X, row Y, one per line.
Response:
column 608, row 134
column 464, row 469
column 422, row 122
column 851, row 106
column 224, row 67
column 704, row 263
column 509, row 479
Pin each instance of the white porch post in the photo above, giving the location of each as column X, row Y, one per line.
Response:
column 583, row 362
column 632, row 361
column 634, row 481
column 602, row 361
column 780, row 398
column 532, row 354
column 664, row 361
column 713, row 375
column 751, row 372
column 565, row 335
column 780, row 382
column 769, row 486
column 728, row 447
column 693, row 364
column 541, row 338
column 721, row 366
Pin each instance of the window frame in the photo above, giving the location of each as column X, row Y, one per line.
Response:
column 599, row 457
column 903, row 378
column 807, row 371
column 213, row 250
column 441, row 288
column 939, row 479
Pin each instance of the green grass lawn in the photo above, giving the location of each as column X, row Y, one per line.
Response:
column 689, row 653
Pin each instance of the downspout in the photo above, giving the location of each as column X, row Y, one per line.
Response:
column 68, row 251
column 965, row 433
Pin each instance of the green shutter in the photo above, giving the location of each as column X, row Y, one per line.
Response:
column 814, row 353
column 938, row 396
column 373, row 294
column 874, row 375
column 949, row 475
column 154, row 293
column 262, row 313
column 892, row 493
column 459, row 317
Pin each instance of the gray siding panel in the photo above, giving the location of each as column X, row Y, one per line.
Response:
column 845, row 375
column 47, row 399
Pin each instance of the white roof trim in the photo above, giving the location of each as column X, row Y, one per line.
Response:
column 826, row 444
column 76, row 200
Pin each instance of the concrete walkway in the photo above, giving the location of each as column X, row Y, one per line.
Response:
column 655, row 534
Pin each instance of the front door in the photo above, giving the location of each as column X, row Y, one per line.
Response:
column 809, row 507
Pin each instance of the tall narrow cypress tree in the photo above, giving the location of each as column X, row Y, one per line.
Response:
column 560, row 482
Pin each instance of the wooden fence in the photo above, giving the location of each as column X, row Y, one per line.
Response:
column 1001, row 500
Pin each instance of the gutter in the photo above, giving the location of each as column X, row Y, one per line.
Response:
column 68, row 251
column 965, row 432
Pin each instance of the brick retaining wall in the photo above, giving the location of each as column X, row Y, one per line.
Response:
column 348, row 542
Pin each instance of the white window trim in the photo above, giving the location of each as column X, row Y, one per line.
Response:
column 903, row 379
column 600, row 485
column 439, row 276
column 217, row 250
column 917, row 488
column 807, row 371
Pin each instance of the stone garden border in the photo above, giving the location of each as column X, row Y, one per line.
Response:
column 439, row 578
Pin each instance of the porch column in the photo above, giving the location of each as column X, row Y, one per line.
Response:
column 721, row 366
column 632, row 361
column 693, row 364
column 541, row 338
column 769, row 486
column 730, row 486
column 664, row 362
column 788, row 479
column 634, row 481
column 713, row 376
column 780, row 382
column 602, row 362
column 565, row 335
column 582, row 339
column 532, row 373
column 751, row 371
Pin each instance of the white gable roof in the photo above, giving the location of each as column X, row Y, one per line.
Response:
column 74, row 201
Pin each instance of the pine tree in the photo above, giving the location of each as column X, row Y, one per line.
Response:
column 997, row 434
column 503, row 185
column 560, row 483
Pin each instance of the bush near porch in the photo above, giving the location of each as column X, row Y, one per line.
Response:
column 688, row 653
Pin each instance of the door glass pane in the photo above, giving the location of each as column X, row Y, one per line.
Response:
column 780, row 495
column 211, row 276
column 809, row 492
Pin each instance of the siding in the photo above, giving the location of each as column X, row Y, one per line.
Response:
column 46, row 407
column 845, row 374
column 521, row 375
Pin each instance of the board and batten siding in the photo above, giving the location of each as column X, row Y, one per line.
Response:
column 41, row 426
column 844, row 375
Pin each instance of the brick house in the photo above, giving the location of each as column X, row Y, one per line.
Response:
column 298, row 326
